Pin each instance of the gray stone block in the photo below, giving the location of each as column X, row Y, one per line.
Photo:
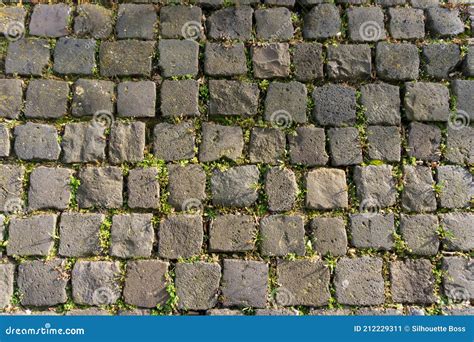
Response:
column 136, row 21
column 420, row 232
column 83, row 242
column 83, row 142
column 127, row 142
column 418, row 192
column 397, row 62
column 74, row 56
column 50, row 20
column 233, row 98
column 230, row 23
column 232, row 233
column 382, row 103
column 282, row 235
column 179, row 98
column 424, row 142
column 329, row 235
column 334, row 105
column 27, row 57
column 132, row 236
column 271, row 61
column 322, row 21
column 178, row 57
column 93, row 20
column 412, row 281
column 180, row 236
column 457, row 186
column 267, row 145
column 372, row 230
column 285, row 103
column 425, row 101
column 220, row 141
column 460, row 227
column 100, row 187
column 143, row 188
column 46, row 99
column 186, row 186
column 281, row 189
column 126, row 58
column 235, row 187
column 11, row 101
column 136, row 99
column 49, row 188
column 174, row 141
column 375, row 186
column 326, row 189
column 308, row 146
column 36, row 142
column 92, row 96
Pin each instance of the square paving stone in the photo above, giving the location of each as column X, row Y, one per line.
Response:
column 334, row 105
column 50, row 20
column 412, row 281
column 458, row 284
column 100, row 187
column 7, row 272
column 46, row 99
column 32, row 235
column 49, row 188
column 221, row 60
column 349, row 62
column 27, row 57
column 418, row 189
column 308, row 61
column 174, row 141
column 285, row 103
column 463, row 90
column 281, row 189
column 180, row 21
column 74, row 56
column 232, row 233
column 457, row 186
column 220, row 141
column 93, row 20
column 366, row 24
column 381, row 102
column 5, row 144
column 230, row 23
column 312, row 287
column 12, row 22
column 372, row 230
column 326, row 189
column 180, row 236
column 282, row 235
column 375, row 186
column 179, row 98
column 145, row 283
column 345, row 146
column 384, row 143
column 42, row 283
column 425, row 101
column 95, row 282
column 322, row 21
column 235, row 187
column 406, row 23
column 186, row 186
column 359, row 281
column 136, row 21
column 329, row 235
column 441, row 60
column 197, row 285
column 92, row 96
column 233, row 98
column 274, row 24
column 178, row 57
column 132, row 236
column 136, row 99
column 308, row 146
column 460, row 145
column 271, row 60
column 468, row 64
column 267, row 145
column 83, row 242
column 143, row 188
column 11, row 100
column 126, row 58
column 244, row 283
column 127, row 142
column 461, row 227
column 420, row 232
column 424, row 142
column 36, row 142
column 83, row 142
column 11, row 187
column 397, row 62
column 443, row 22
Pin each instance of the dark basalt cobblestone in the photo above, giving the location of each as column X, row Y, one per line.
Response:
column 274, row 157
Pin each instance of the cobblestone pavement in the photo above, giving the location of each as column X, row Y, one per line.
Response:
column 237, row 158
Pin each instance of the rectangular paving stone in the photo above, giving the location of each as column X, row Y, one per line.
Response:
column 219, row 141
column 79, row 234
column 232, row 233
column 372, row 230
column 221, row 60
column 143, row 188
column 50, row 20
column 186, row 104
column 418, row 192
column 174, row 141
column 36, row 142
column 308, row 61
column 326, row 189
column 230, row 23
column 420, row 232
column 329, row 235
column 458, row 279
column 83, row 142
column 460, row 228
column 74, row 56
column 375, row 186
column 180, row 236
column 180, row 21
column 5, row 143
column 126, row 58
column 100, row 187
column 46, row 99
column 235, row 187
column 136, row 21
column 178, row 57
column 267, row 145
column 11, row 99
column 49, row 188
column 7, row 271
column 308, row 146
column 132, row 235
column 127, row 142
column 457, row 186
column 92, row 96
column 282, row 235
column 93, row 20
column 270, row 61
column 412, row 281
column 187, row 187
column 136, row 99
column 281, row 189
column 11, row 180
column 27, row 57
column 233, row 98
column 285, row 103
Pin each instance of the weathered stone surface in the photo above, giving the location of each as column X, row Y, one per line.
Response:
column 126, row 58
column 285, row 103
column 31, row 235
column 145, row 283
column 36, row 142
column 382, row 103
column 230, row 23
column 46, row 99
column 49, row 188
column 174, row 141
column 233, row 98
column 349, row 62
column 329, row 235
column 27, row 57
column 235, row 187
column 274, row 24
column 222, row 60
column 42, row 283
column 143, row 188
column 460, row 227
column 326, row 189
column 244, row 283
column 282, row 235
column 418, row 192
column 93, row 20
column 334, row 105
column 132, row 235
column 83, row 142
column 384, row 143
column 50, row 20
column 127, row 142
column 412, row 281
column 312, row 289
column 375, row 186
column 74, row 56
column 92, row 96
column 11, row 100
column 179, row 98
column 12, row 22
column 420, row 233
column 281, row 189
column 322, row 21
column 220, row 141
column 7, row 272
column 197, row 285
column 276, row 312
column 372, row 230
column 308, row 146
column 457, row 186
column 136, row 99
column 180, row 21
column 460, row 145
column 83, row 242
column 397, row 62
column 136, row 21
column 100, row 187
column 443, row 22
column 178, row 57
column 270, row 61
column 359, row 281
column 11, row 184
column 180, row 236
column 441, row 59
column 426, row 101
column 424, row 142
column 458, row 282
column 345, row 146
column 232, row 233
column 406, row 23
column 267, row 145
column 468, row 64
column 366, row 24
column 308, row 61
column 463, row 90
column 95, row 282
column 186, row 186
